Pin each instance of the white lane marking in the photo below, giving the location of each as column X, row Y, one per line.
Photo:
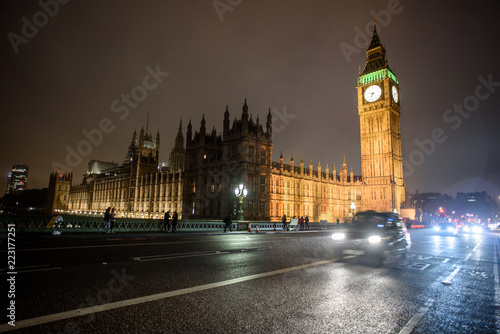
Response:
column 448, row 279
column 446, row 260
column 175, row 256
column 140, row 300
column 467, row 257
column 417, row 317
column 102, row 246
column 422, row 257
column 35, row 266
column 248, row 242
column 32, row 270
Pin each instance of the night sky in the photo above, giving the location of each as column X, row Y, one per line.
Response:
column 299, row 58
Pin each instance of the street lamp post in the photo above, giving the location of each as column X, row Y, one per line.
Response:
column 353, row 207
column 241, row 192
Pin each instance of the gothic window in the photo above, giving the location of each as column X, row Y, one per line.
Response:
column 263, row 156
column 251, row 153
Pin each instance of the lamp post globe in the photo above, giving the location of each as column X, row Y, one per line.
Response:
column 241, row 192
column 353, row 207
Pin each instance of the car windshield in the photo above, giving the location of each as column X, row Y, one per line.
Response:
column 374, row 221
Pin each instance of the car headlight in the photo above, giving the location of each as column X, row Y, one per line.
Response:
column 374, row 239
column 466, row 228
column 338, row 236
column 437, row 228
column 477, row 229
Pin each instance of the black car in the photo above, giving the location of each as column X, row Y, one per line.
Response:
column 381, row 237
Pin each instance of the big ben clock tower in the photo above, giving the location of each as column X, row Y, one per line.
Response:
column 379, row 112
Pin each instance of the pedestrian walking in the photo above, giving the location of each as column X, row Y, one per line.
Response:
column 228, row 224
column 111, row 221
column 166, row 221
column 306, row 221
column 283, row 221
column 174, row 222
column 106, row 219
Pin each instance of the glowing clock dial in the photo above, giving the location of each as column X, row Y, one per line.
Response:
column 373, row 93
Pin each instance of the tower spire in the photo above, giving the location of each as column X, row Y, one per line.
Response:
column 376, row 58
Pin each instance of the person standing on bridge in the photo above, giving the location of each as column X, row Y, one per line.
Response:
column 166, row 222
column 306, row 221
column 174, row 222
column 228, row 224
column 301, row 223
column 111, row 221
column 106, row 219
column 283, row 221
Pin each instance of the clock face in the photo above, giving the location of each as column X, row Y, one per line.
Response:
column 373, row 93
column 395, row 94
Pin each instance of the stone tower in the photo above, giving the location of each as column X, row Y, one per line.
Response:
column 216, row 163
column 58, row 193
column 143, row 154
column 379, row 113
column 177, row 155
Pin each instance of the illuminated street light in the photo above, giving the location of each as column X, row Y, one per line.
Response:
column 241, row 192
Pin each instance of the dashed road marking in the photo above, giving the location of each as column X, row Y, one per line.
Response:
column 417, row 317
column 448, row 279
column 175, row 256
column 30, row 269
column 106, row 246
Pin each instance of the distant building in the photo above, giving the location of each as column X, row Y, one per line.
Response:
column 465, row 206
column 17, row 179
column 478, row 205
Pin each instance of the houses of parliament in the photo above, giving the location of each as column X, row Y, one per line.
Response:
column 205, row 167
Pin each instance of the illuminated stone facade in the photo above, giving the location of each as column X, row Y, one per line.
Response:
column 379, row 115
column 200, row 179
column 136, row 189
column 216, row 164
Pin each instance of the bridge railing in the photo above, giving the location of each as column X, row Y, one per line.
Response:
column 73, row 223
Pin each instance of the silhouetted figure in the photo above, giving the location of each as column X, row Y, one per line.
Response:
column 166, row 223
column 228, row 224
column 111, row 221
column 106, row 219
column 174, row 222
